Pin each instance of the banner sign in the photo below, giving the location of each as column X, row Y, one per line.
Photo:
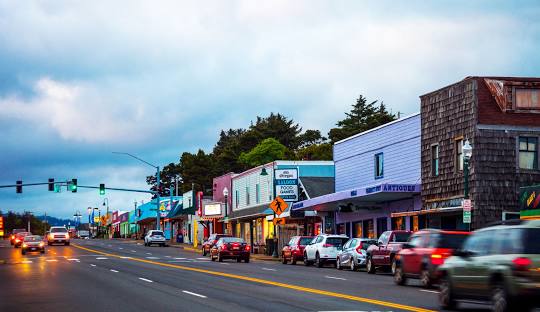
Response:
column 286, row 184
column 199, row 203
column 212, row 209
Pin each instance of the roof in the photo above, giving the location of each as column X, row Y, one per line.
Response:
column 515, row 79
column 317, row 186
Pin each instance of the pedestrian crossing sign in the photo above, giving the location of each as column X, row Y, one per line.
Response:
column 278, row 205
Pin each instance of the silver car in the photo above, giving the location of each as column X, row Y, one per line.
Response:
column 154, row 237
column 353, row 253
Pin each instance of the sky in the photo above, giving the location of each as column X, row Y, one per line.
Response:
column 81, row 79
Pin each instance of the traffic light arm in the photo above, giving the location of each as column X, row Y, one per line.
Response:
column 117, row 189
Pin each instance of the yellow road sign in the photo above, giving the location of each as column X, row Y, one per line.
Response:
column 278, row 221
column 278, row 205
column 162, row 207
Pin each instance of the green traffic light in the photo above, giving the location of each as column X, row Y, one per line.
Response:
column 102, row 189
column 73, row 185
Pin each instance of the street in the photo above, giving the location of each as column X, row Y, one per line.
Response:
column 114, row 275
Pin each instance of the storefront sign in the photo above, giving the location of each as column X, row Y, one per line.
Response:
column 115, row 217
column 123, row 217
column 212, row 209
column 1, row 226
column 287, row 192
column 199, row 203
column 286, row 174
column 392, row 188
column 286, row 184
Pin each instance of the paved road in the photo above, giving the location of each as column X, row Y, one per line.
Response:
column 103, row 275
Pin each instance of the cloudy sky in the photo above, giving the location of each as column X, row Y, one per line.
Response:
column 80, row 79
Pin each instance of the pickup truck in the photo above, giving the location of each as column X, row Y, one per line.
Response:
column 381, row 255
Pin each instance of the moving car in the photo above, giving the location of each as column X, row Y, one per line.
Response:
column 19, row 237
column 294, row 250
column 353, row 253
column 83, row 234
column 58, row 235
column 230, row 248
column 499, row 265
column 424, row 252
column 154, row 237
column 324, row 248
column 32, row 243
column 13, row 233
column 382, row 254
column 211, row 241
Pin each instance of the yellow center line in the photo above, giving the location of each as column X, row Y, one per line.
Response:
column 268, row 282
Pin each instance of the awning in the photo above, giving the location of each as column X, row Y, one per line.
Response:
column 250, row 213
column 211, row 218
column 362, row 198
column 426, row 211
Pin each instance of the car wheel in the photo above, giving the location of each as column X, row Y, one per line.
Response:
column 23, row 252
column 306, row 261
column 238, row 259
column 446, row 296
column 425, row 279
column 246, row 260
column 67, row 244
column 43, row 251
column 204, row 252
column 293, row 260
column 499, row 298
column 393, row 266
column 318, row 261
column 353, row 264
column 212, row 258
column 49, row 244
column 399, row 277
column 370, row 268
column 283, row 259
column 338, row 264
column 219, row 258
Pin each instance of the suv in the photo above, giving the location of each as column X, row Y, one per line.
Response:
column 58, row 234
column 323, row 248
column 499, row 265
column 294, row 250
column 211, row 241
column 383, row 253
column 154, row 237
column 424, row 252
column 14, row 234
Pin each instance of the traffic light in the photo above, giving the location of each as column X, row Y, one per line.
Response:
column 51, row 184
column 73, row 185
column 19, row 187
column 102, row 189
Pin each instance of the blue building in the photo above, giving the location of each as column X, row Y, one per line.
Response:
column 377, row 182
column 146, row 215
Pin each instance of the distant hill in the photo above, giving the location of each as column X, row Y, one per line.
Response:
column 56, row 221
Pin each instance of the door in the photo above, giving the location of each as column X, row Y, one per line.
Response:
column 312, row 248
column 409, row 256
column 379, row 252
column 343, row 255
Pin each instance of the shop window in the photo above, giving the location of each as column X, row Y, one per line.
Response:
column 247, row 195
column 435, row 160
column 379, row 166
column 398, row 223
column 237, row 197
column 369, row 229
column 459, row 155
column 357, row 229
column 257, row 193
column 528, row 99
column 382, row 225
column 528, row 153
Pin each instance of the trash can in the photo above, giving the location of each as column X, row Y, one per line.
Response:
column 269, row 246
column 180, row 238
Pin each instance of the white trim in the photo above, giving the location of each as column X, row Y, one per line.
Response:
column 377, row 128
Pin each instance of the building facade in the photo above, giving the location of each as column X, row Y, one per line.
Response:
column 500, row 117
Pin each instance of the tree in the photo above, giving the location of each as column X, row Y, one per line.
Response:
column 362, row 117
column 227, row 150
column 197, row 169
column 311, row 137
column 275, row 126
column 267, row 151
column 167, row 176
column 321, row 151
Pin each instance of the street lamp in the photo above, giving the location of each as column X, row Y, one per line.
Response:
column 467, row 153
column 107, row 213
column 274, row 253
column 226, row 195
column 158, row 178
column 89, row 221
column 99, row 220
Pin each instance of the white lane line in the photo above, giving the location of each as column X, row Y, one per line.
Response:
column 429, row 291
column 180, row 261
column 225, row 263
column 167, row 256
column 125, row 258
column 153, row 258
column 149, row 253
column 26, row 261
column 193, row 294
column 337, row 278
column 51, row 260
column 203, row 259
column 180, row 258
column 133, row 251
column 139, row 244
column 120, row 248
column 113, row 271
column 92, row 265
column 101, row 258
column 267, row 269
column 73, row 259
column 146, row 280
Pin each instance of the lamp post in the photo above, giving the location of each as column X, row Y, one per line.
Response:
column 106, row 199
column 226, row 195
column 89, row 221
column 99, row 220
column 264, row 173
column 467, row 153
column 158, row 181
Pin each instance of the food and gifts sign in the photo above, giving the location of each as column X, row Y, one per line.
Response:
column 529, row 202
column 286, row 181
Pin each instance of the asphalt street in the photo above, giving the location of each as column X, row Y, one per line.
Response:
column 117, row 275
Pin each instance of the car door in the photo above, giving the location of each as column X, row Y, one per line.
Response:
column 380, row 252
column 343, row 254
column 350, row 250
column 312, row 247
column 408, row 255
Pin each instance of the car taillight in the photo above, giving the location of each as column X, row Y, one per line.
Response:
column 437, row 259
column 17, row 240
column 224, row 247
column 248, row 248
column 12, row 236
column 24, row 245
column 327, row 245
column 521, row 264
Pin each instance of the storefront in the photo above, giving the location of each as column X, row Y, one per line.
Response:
column 123, row 219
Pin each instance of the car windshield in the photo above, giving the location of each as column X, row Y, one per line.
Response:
column 23, row 234
column 451, row 241
column 157, row 233
column 366, row 244
column 336, row 241
column 401, row 237
column 58, row 230
column 232, row 240
column 531, row 241
column 32, row 238
column 305, row 240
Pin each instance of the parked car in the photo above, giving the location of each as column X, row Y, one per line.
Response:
column 424, row 252
column 230, row 248
column 19, row 237
column 353, row 253
column 382, row 254
column 499, row 265
column 210, row 242
column 294, row 250
column 58, row 235
column 14, row 233
column 323, row 249
column 32, row 243
column 154, row 237
column 82, row 234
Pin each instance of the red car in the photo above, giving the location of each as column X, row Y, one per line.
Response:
column 230, row 248
column 15, row 232
column 382, row 254
column 19, row 237
column 424, row 252
column 294, row 250
column 211, row 241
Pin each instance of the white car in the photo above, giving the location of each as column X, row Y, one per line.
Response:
column 324, row 248
column 154, row 237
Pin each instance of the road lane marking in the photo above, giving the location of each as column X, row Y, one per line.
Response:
column 337, row 278
column 193, row 294
column 51, row 260
column 101, row 258
column 153, row 258
column 167, row 256
column 180, row 258
column 92, row 265
column 133, row 251
column 113, row 271
column 203, row 259
column 26, row 261
column 125, row 257
column 120, row 248
column 146, row 280
column 429, row 291
column 72, row 259
column 225, row 263
column 269, row 282
column 139, row 244
column 149, row 253
column 267, row 269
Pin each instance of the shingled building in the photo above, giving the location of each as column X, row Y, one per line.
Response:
column 500, row 116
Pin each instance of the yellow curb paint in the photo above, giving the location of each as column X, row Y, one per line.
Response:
column 267, row 282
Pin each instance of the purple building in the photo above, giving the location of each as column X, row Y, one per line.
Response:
column 377, row 182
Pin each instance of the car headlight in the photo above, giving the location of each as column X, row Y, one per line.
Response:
column 41, row 244
column 24, row 245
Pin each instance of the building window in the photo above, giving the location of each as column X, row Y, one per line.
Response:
column 528, row 153
column 247, row 195
column 435, row 160
column 528, row 99
column 459, row 155
column 257, row 193
column 379, row 166
column 237, row 195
